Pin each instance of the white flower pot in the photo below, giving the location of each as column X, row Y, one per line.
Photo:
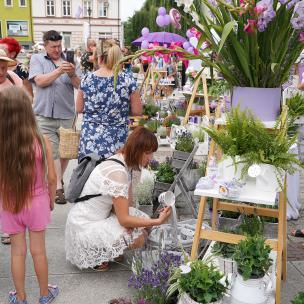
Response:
column 252, row 291
column 228, row 170
column 268, row 179
column 227, row 265
column 185, row 299
column 202, row 149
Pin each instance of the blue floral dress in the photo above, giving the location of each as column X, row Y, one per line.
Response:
column 105, row 119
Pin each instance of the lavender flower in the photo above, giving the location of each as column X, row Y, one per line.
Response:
column 291, row 4
column 297, row 20
column 152, row 284
column 265, row 15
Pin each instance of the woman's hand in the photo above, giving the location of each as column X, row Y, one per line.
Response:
column 164, row 214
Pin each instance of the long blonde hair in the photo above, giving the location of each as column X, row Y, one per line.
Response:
column 18, row 134
column 110, row 53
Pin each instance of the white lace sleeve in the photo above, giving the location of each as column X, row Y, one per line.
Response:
column 114, row 181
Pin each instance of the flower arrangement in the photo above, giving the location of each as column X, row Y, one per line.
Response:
column 202, row 282
column 184, row 142
column 253, row 43
column 151, row 284
column 171, row 120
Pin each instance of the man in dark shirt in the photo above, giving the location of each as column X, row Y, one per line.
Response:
column 88, row 57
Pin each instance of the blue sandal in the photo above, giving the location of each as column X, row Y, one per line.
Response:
column 12, row 298
column 53, row 293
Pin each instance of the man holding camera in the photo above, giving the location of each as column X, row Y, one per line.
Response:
column 55, row 79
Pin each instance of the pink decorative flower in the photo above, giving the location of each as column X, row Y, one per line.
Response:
column 259, row 9
column 301, row 37
column 250, row 26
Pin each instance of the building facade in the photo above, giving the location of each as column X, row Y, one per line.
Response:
column 16, row 21
column 77, row 20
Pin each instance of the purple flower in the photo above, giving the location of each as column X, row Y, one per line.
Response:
column 297, row 20
column 265, row 14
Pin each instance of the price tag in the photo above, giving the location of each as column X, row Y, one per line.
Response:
column 254, row 170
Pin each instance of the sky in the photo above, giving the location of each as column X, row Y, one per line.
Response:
column 128, row 7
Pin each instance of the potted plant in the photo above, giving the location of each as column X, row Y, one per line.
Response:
column 169, row 121
column 164, row 178
column 152, row 125
column 271, row 225
column 150, row 109
column 299, row 298
column 251, row 225
column 200, row 137
column 183, row 147
column 162, row 135
column 198, row 283
column 151, row 271
column 143, row 196
column 224, row 253
column 253, row 262
column 247, row 142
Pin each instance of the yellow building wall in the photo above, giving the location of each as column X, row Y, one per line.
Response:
column 19, row 20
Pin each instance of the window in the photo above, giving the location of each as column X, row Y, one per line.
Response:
column 66, row 8
column 86, row 6
column 50, row 8
column 104, row 35
column 22, row 3
column 66, row 44
column 8, row 2
column 103, row 8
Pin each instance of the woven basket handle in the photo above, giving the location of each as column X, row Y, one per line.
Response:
column 74, row 122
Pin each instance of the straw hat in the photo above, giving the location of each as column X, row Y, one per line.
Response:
column 3, row 57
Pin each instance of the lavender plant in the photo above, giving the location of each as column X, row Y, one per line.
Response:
column 151, row 284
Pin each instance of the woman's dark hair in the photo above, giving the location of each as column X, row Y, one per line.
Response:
column 140, row 141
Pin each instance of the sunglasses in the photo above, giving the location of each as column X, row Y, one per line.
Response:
column 55, row 38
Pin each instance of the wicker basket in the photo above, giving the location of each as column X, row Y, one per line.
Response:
column 69, row 142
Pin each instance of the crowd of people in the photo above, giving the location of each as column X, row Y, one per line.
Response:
column 98, row 230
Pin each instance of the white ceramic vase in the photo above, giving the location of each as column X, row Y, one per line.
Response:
column 268, row 179
column 252, row 291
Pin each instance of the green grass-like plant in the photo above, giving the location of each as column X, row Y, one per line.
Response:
column 185, row 142
column 150, row 109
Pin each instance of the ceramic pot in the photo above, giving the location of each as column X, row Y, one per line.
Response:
column 252, row 291
column 228, row 170
column 185, row 299
column 265, row 103
column 269, row 178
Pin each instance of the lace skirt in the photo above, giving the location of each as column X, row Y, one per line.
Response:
column 100, row 241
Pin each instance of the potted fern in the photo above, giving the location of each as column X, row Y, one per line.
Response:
column 198, row 283
column 143, row 195
column 246, row 142
column 183, row 148
column 253, row 262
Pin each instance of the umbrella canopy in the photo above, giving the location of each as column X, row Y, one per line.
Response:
column 160, row 37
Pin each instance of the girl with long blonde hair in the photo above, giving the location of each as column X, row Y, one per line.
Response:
column 27, row 190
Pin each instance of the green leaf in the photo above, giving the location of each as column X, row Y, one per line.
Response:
column 226, row 31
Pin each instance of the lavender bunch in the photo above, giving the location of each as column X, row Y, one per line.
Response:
column 154, row 164
column 151, row 284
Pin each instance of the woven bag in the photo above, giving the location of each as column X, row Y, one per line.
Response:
column 69, row 141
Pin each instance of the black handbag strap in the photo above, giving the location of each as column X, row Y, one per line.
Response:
column 9, row 77
column 89, row 196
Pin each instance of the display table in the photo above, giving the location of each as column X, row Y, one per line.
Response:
column 249, row 194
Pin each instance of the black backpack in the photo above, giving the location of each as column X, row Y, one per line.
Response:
column 81, row 174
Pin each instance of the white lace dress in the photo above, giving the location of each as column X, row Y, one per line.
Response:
column 93, row 234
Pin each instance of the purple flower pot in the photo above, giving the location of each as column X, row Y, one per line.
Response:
column 265, row 103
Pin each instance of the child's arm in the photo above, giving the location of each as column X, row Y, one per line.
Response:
column 52, row 179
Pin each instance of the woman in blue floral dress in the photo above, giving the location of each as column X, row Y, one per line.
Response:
column 105, row 109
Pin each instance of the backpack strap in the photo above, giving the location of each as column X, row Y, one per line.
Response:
column 9, row 77
column 87, row 197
